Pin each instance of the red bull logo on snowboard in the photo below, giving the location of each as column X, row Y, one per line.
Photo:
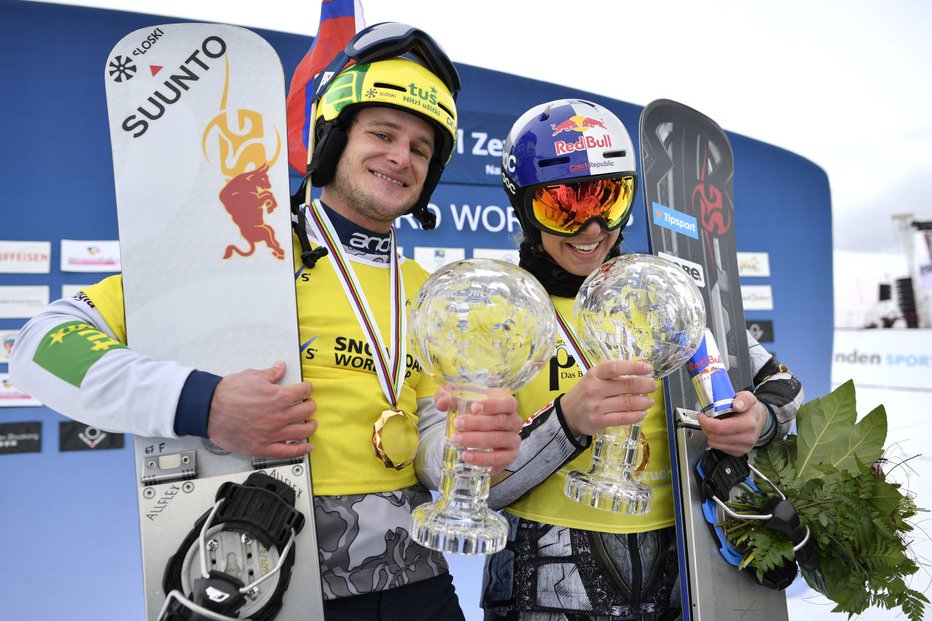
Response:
column 243, row 145
column 579, row 123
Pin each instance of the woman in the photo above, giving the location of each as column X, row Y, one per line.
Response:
column 569, row 169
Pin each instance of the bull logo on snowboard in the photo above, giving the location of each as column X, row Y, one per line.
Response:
column 243, row 143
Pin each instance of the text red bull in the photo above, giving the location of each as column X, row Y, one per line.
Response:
column 710, row 379
column 582, row 143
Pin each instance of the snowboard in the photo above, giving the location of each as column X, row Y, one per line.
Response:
column 199, row 141
column 688, row 174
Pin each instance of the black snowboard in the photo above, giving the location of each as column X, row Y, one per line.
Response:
column 688, row 175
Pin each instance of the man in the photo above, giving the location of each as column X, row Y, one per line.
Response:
column 377, row 156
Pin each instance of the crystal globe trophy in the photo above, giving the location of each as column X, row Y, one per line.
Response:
column 634, row 307
column 478, row 325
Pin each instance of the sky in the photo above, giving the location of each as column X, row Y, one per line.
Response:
column 843, row 83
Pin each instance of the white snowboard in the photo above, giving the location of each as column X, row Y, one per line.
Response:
column 199, row 138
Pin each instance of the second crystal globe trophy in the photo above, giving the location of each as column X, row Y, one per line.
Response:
column 479, row 325
column 634, row 307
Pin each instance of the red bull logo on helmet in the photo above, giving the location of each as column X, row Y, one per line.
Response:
column 576, row 123
column 579, row 123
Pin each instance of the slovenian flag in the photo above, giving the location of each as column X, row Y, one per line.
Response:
column 340, row 20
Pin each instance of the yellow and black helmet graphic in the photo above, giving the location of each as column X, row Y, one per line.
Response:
column 400, row 83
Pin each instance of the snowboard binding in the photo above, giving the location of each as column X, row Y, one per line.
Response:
column 717, row 474
column 236, row 561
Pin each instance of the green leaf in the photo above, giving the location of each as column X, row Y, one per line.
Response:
column 864, row 442
column 859, row 522
column 814, row 425
column 828, row 435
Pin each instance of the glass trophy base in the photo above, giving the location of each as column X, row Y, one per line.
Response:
column 448, row 529
column 608, row 494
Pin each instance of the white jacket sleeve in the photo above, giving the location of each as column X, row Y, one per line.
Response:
column 432, row 432
column 71, row 360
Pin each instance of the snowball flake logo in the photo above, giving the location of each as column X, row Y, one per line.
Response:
column 580, row 124
column 244, row 147
column 121, row 69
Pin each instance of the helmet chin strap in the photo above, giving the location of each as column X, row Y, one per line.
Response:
column 427, row 219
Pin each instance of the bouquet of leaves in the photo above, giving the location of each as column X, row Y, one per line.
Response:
column 859, row 522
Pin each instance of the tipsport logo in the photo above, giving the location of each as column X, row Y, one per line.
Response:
column 674, row 220
column 580, row 124
column 245, row 147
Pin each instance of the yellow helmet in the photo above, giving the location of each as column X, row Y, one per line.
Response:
column 397, row 66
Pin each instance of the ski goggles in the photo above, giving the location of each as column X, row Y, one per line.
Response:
column 390, row 40
column 566, row 208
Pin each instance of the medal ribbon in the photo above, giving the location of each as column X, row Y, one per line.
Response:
column 569, row 337
column 390, row 368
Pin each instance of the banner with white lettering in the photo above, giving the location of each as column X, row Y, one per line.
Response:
column 20, row 438
column 479, row 143
column 480, row 216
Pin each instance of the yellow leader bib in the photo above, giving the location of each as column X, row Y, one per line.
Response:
column 547, row 503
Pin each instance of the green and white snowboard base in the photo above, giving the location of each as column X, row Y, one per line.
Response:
column 198, row 130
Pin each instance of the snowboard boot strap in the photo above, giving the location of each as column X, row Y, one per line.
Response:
column 785, row 521
column 718, row 473
column 259, row 510
column 721, row 473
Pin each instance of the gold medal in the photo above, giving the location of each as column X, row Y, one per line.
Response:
column 645, row 454
column 394, row 438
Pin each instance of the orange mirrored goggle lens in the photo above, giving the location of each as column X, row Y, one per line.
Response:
column 564, row 208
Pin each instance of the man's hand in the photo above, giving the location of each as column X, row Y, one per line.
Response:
column 489, row 431
column 612, row 393
column 737, row 434
column 252, row 415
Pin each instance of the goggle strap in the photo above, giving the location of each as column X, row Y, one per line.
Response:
column 417, row 43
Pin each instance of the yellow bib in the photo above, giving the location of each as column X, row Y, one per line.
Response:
column 338, row 363
column 547, row 502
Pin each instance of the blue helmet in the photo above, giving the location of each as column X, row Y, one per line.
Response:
column 563, row 141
